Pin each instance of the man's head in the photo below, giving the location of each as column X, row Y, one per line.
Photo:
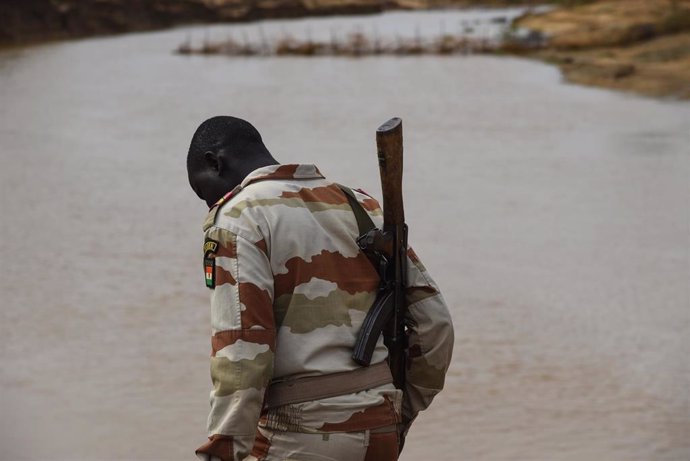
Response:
column 223, row 151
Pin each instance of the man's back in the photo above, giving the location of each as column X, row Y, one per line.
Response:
column 286, row 238
column 323, row 285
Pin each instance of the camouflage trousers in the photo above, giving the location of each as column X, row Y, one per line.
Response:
column 370, row 445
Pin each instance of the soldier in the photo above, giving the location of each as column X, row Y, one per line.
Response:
column 289, row 291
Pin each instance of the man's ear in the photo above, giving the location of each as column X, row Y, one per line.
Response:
column 213, row 161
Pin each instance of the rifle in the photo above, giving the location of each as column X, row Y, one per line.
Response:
column 387, row 249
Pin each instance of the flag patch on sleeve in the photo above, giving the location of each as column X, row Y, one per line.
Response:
column 210, row 247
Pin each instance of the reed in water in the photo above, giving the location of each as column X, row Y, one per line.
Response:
column 358, row 44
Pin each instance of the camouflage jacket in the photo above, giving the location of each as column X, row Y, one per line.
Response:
column 290, row 290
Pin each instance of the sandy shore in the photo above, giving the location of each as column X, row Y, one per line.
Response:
column 641, row 46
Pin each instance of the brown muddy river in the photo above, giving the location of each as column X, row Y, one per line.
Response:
column 555, row 218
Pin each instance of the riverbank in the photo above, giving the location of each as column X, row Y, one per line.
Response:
column 32, row 21
column 641, row 46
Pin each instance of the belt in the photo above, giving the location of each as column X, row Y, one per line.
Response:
column 324, row 386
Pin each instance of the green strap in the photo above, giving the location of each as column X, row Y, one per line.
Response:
column 364, row 222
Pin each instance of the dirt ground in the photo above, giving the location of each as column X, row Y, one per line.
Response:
column 631, row 45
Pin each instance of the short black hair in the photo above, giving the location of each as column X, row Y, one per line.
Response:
column 223, row 131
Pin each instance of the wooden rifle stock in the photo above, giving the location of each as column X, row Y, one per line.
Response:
column 390, row 244
column 390, row 155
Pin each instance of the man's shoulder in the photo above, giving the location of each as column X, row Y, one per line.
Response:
column 260, row 196
column 270, row 192
column 244, row 212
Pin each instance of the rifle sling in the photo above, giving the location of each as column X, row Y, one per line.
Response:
column 364, row 222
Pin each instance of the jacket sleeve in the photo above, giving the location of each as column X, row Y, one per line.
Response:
column 243, row 342
column 430, row 339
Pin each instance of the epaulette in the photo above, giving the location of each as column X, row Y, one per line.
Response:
column 213, row 212
column 361, row 191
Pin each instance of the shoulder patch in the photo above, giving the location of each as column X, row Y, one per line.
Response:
column 210, row 248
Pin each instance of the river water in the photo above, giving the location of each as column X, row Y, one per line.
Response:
column 555, row 218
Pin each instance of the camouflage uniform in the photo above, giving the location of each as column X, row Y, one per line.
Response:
column 290, row 292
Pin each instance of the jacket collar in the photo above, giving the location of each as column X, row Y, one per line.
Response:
column 270, row 172
column 292, row 171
